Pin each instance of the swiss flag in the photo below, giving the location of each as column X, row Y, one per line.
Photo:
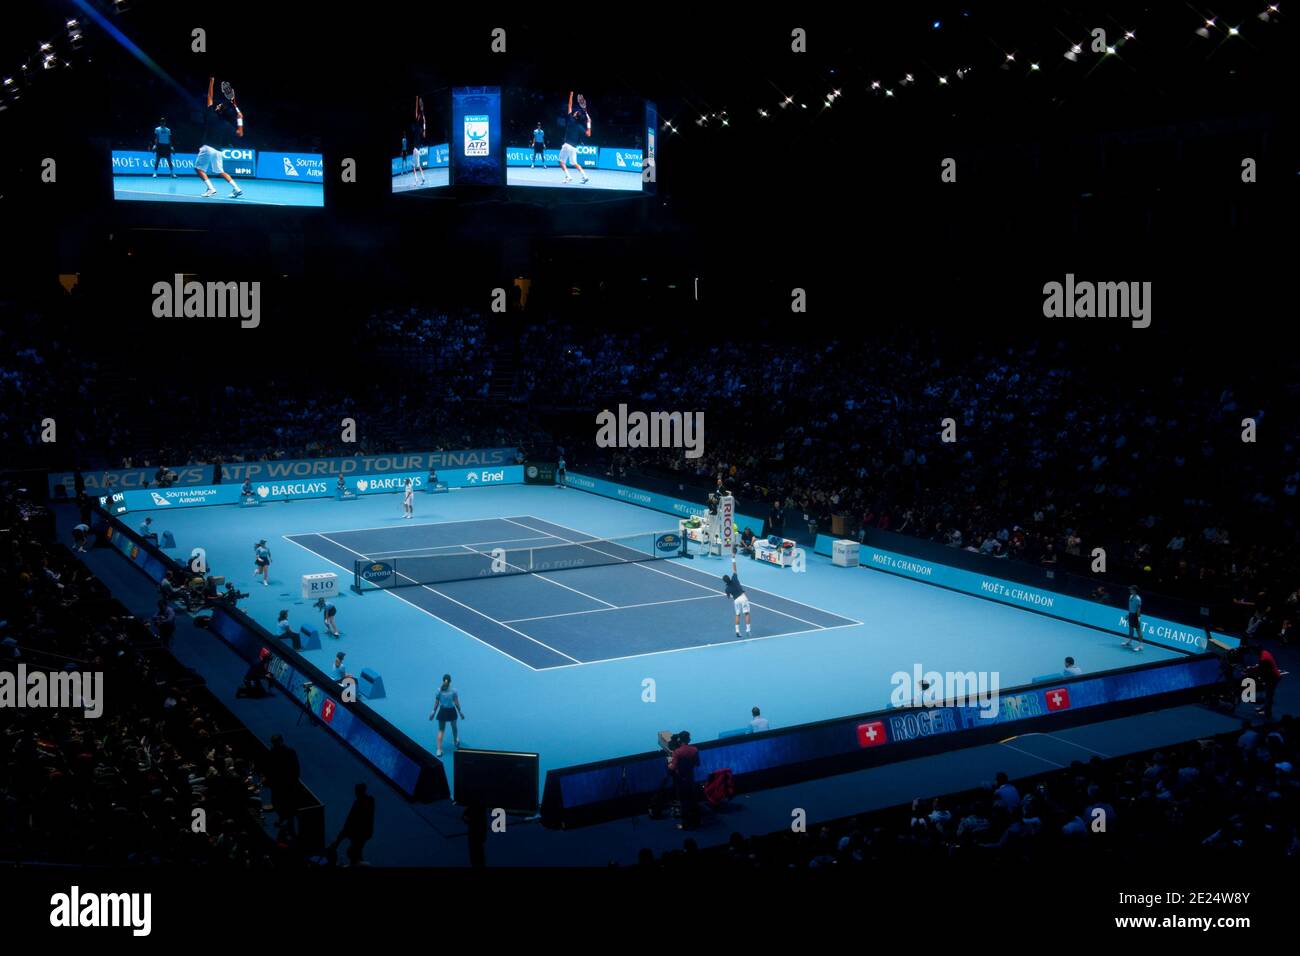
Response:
column 1058, row 699
column 872, row 734
column 327, row 710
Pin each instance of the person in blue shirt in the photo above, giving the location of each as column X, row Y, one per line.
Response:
column 539, row 146
column 286, row 632
column 1134, row 619
column 446, row 708
column 162, row 147
column 328, row 609
column 262, row 562
column 339, row 673
column 246, row 489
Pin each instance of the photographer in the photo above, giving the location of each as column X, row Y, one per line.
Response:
column 230, row 597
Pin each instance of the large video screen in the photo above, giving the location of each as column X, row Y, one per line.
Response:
column 421, row 144
column 214, row 147
column 574, row 139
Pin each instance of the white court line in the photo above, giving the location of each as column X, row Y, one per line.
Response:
column 424, row 524
column 198, row 197
column 451, row 547
column 537, row 574
column 453, row 601
column 602, row 610
column 1062, row 740
column 1028, row 754
column 649, row 567
column 703, row 647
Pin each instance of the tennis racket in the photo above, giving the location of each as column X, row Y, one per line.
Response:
column 228, row 92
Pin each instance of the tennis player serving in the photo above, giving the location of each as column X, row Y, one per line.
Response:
column 736, row 591
column 577, row 126
column 222, row 124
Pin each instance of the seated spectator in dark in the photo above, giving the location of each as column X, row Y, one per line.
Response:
column 747, row 541
column 1006, row 795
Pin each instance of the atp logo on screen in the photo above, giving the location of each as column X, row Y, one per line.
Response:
column 476, row 135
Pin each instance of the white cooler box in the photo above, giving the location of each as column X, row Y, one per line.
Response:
column 844, row 553
column 324, row 585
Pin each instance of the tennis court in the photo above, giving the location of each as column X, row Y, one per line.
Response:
column 593, row 599
column 591, row 662
column 187, row 187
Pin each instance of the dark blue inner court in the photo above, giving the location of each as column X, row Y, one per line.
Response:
column 574, row 616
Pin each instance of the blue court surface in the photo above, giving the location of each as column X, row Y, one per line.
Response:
column 552, row 175
column 588, row 663
column 188, row 187
column 407, row 182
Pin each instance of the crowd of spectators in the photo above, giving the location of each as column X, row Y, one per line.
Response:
column 1231, row 799
column 1053, row 456
column 120, row 788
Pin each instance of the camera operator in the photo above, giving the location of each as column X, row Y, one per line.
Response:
column 230, row 597
column 169, row 592
column 681, row 764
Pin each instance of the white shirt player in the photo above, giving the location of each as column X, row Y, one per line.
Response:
column 408, row 500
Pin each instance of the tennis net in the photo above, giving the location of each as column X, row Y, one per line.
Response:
column 405, row 570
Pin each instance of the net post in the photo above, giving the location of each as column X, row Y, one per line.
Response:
column 356, row 577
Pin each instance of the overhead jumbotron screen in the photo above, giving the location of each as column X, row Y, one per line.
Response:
column 214, row 145
column 574, row 139
column 420, row 144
